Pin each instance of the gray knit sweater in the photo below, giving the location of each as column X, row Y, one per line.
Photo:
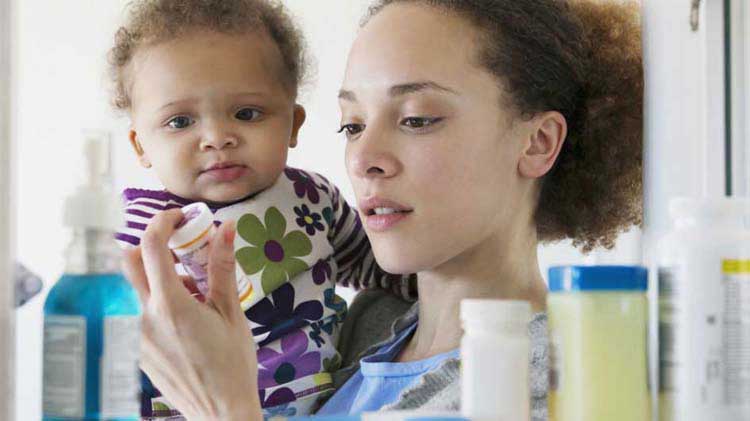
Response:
column 376, row 317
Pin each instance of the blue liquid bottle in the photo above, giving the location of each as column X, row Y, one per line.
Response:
column 92, row 314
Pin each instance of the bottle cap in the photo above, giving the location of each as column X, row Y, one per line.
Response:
column 598, row 278
column 197, row 223
column 511, row 313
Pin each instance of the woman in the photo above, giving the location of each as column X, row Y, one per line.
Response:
column 475, row 130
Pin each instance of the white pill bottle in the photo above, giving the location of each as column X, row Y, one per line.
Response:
column 190, row 243
column 703, row 286
column 495, row 352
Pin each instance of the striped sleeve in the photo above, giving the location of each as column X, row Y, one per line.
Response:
column 353, row 253
column 140, row 207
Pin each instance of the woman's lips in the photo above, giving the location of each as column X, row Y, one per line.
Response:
column 225, row 174
column 382, row 214
column 381, row 223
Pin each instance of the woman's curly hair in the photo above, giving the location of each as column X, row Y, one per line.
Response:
column 154, row 21
column 583, row 59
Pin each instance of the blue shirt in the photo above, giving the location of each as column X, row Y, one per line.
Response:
column 379, row 381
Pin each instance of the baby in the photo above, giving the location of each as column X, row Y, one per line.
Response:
column 210, row 87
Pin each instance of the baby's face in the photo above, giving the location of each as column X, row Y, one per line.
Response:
column 211, row 115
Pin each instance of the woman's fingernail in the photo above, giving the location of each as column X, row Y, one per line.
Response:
column 229, row 234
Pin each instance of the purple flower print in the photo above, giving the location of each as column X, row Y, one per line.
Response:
column 292, row 363
column 279, row 396
column 303, row 184
column 279, row 317
column 310, row 221
column 321, row 272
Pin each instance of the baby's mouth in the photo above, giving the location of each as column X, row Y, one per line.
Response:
column 225, row 172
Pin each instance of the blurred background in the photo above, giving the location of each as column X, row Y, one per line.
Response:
column 59, row 87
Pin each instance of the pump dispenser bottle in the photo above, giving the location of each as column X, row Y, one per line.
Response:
column 92, row 314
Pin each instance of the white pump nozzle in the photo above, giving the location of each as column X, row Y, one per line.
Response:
column 97, row 150
column 95, row 205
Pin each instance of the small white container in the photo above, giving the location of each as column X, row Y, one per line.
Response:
column 190, row 242
column 495, row 352
column 704, row 312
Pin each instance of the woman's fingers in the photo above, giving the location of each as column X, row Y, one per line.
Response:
column 200, row 356
column 222, row 281
column 157, row 258
column 133, row 268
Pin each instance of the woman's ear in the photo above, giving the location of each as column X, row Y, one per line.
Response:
column 136, row 144
column 545, row 141
column 300, row 115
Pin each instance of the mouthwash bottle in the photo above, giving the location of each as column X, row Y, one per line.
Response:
column 92, row 314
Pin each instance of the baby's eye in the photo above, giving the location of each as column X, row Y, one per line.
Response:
column 419, row 122
column 180, row 122
column 351, row 129
column 247, row 114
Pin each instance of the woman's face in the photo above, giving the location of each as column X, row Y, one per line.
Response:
column 428, row 137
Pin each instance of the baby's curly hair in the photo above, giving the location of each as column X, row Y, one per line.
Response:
column 581, row 58
column 153, row 21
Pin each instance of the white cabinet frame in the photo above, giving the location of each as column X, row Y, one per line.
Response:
column 739, row 50
column 7, row 322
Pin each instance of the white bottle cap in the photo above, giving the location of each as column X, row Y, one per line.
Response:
column 511, row 314
column 197, row 224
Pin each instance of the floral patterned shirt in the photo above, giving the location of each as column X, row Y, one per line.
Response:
column 295, row 242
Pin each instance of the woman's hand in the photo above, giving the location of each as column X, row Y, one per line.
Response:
column 200, row 355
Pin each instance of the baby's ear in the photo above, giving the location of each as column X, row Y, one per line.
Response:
column 136, row 144
column 300, row 115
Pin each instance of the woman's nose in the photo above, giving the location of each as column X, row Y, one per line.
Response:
column 372, row 157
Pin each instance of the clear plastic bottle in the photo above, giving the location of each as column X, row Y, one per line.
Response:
column 495, row 356
column 704, row 312
column 92, row 314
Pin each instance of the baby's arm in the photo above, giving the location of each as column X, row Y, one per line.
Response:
column 353, row 253
column 140, row 207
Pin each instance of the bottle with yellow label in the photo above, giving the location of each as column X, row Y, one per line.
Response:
column 704, row 312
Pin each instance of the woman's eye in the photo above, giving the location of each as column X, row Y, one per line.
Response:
column 180, row 122
column 419, row 122
column 247, row 114
column 351, row 129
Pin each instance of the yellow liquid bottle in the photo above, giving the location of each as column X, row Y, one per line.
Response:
column 598, row 320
